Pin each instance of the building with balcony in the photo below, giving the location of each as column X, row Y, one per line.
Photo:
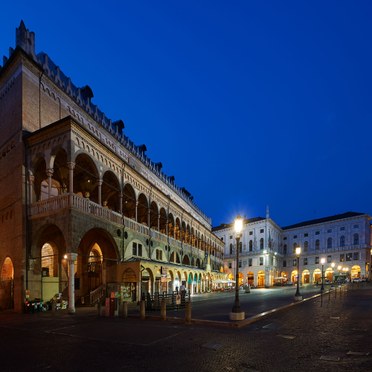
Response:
column 268, row 252
column 83, row 210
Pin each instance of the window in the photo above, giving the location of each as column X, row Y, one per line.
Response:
column 329, row 230
column 261, row 231
column 349, row 256
column 159, row 255
column 294, row 247
column 317, row 232
column 230, row 265
column 329, row 259
column 316, row 260
column 249, row 262
column 231, row 248
column 329, row 243
column 356, row 239
column 306, row 246
column 136, row 249
column 342, row 241
column 356, row 226
column 240, row 247
column 285, row 238
column 284, row 263
column 305, row 261
column 356, row 256
column 306, row 235
column 342, row 258
column 285, row 249
column 342, row 228
column 250, row 245
column 317, row 245
column 295, row 262
column 240, row 263
column 294, row 236
column 261, row 261
column 251, row 233
column 261, row 243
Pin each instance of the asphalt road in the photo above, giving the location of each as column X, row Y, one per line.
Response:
column 332, row 335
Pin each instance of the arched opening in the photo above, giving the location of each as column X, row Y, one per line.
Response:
column 163, row 221
column 294, row 276
column 86, row 178
column 250, row 278
column 306, row 277
column 261, row 278
column 142, row 210
column 154, row 216
column 186, row 260
column 129, row 202
column 355, row 272
column 6, row 284
column 110, row 192
column 317, row 276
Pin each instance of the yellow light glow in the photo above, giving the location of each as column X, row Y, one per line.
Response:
column 298, row 251
column 322, row 260
column 238, row 225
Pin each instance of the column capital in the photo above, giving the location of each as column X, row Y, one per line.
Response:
column 71, row 256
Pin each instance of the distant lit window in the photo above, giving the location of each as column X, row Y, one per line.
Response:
column 306, row 246
column 349, row 256
column 342, row 241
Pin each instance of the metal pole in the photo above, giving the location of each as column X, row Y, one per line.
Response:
column 298, row 278
column 236, row 307
column 322, row 288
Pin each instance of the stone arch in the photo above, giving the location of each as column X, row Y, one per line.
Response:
column 186, row 260
column 97, row 260
column 60, row 177
column 163, row 221
column 305, row 277
column 142, row 209
column 129, row 201
column 355, row 272
column 110, row 191
column 7, row 284
column 154, row 216
column 86, row 177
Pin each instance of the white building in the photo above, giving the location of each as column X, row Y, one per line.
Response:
column 267, row 253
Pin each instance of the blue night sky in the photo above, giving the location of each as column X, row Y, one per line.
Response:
column 246, row 103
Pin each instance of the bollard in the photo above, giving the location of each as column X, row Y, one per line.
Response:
column 163, row 310
column 125, row 309
column 188, row 312
column 142, row 310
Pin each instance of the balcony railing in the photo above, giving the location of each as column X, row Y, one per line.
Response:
column 57, row 204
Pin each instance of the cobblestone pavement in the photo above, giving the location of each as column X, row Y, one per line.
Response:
column 324, row 334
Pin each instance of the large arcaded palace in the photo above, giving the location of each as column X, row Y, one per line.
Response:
column 83, row 210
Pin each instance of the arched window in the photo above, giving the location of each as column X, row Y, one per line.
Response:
column 231, row 248
column 356, row 239
column 342, row 241
column 261, row 243
column 285, row 249
column 306, row 246
column 250, row 245
column 329, row 243
column 317, row 245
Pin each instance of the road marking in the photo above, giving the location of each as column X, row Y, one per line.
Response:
column 330, row 358
column 357, row 353
column 288, row 337
column 212, row 346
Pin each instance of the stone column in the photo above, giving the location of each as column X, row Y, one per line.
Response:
column 71, row 258
column 100, row 181
column 71, row 166
column 49, row 173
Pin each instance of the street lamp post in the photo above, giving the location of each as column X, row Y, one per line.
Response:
column 236, row 313
column 322, row 261
column 298, row 296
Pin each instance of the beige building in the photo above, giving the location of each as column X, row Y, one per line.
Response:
column 83, row 210
column 268, row 252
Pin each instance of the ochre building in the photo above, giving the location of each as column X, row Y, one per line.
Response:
column 83, row 211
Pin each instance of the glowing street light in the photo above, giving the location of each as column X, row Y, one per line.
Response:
column 298, row 296
column 236, row 313
column 322, row 261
